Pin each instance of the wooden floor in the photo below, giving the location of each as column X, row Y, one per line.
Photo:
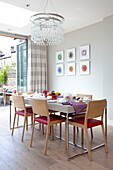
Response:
column 15, row 154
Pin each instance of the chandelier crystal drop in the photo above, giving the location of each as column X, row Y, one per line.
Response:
column 47, row 28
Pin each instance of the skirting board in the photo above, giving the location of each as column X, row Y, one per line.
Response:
column 110, row 122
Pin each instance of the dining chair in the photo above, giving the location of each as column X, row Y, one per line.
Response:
column 95, row 109
column 88, row 97
column 22, row 93
column 2, row 95
column 82, row 96
column 41, row 115
column 81, row 114
column 21, row 110
column 28, row 106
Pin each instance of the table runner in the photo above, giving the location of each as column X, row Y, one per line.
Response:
column 78, row 107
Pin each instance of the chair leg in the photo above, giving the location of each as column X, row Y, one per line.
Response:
column 40, row 126
column 14, row 124
column 77, row 129
column 50, row 130
column 52, row 136
column 31, row 120
column 88, row 145
column 23, row 128
column 82, row 137
column 106, row 147
column 26, row 123
column 47, row 134
column 60, row 130
column 42, row 129
column 73, row 134
column 91, row 130
column 65, row 136
column 18, row 120
column 32, row 134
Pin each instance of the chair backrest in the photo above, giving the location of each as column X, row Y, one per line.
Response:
column 19, row 102
column 95, row 108
column 40, row 107
column 22, row 93
column 89, row 96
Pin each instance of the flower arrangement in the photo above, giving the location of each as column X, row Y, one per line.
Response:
column 45, row 91
column 54, row 94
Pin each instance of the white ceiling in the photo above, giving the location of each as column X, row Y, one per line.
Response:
column 77, row 13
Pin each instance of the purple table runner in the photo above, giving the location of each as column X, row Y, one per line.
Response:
column 78, row 107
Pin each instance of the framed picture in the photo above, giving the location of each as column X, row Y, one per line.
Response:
column 59, row 69
column 84, row 52
column 84, row 68
column 71, row 55
column 70, row 69
column 59, row 57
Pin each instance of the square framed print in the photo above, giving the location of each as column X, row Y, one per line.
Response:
column 84, row 68
column 59, row 69
column 71, row 54
column 84, row 52
column 70, row 69
column 59, row 56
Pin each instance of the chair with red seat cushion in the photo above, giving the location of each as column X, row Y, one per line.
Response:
column 28, row 107
column 40, row 109
column 71, row 115
column 21, row 110
column 94, row 109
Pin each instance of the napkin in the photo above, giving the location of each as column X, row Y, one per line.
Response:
column 78, row 107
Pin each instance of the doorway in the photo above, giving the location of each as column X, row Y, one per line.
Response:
column 15, row 56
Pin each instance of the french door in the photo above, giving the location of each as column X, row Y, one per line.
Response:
column 22, row 67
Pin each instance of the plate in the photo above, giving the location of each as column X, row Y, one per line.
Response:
column 52, row 101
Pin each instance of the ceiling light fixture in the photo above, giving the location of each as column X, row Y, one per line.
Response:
column 47, row 28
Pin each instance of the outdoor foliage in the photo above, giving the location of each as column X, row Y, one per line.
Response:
column 3, row 75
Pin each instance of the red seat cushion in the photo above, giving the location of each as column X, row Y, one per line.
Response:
column 43, row 119
column 90, row 123
column 28, row 111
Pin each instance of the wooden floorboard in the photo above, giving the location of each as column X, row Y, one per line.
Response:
column 17, row 155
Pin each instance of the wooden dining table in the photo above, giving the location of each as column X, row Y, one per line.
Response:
column 67, row 109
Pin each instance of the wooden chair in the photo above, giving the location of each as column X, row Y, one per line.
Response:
column 82, row 96
column 28, row 106
column 21, row 110
column 2, row 95
column 71, row 115
column 89, row 96
column 94, row 109
column 22, row 93
column 40, row 108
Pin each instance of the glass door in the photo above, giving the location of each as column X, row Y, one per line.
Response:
column 22, row 67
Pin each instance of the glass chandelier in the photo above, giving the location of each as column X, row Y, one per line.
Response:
column 47, row 28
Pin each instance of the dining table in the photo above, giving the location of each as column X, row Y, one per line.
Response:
column 67, row 109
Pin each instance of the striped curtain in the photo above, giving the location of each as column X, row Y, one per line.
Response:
column 37, row 67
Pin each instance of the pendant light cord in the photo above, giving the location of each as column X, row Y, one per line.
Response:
column 43, row 6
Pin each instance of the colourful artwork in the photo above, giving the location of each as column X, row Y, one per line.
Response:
column 71, row 55
column 71, row 69
column 59, row 70
column 59, row 57
column 84, row 52
column 84, row 68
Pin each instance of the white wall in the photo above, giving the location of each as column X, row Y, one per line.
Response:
column 100, row 81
